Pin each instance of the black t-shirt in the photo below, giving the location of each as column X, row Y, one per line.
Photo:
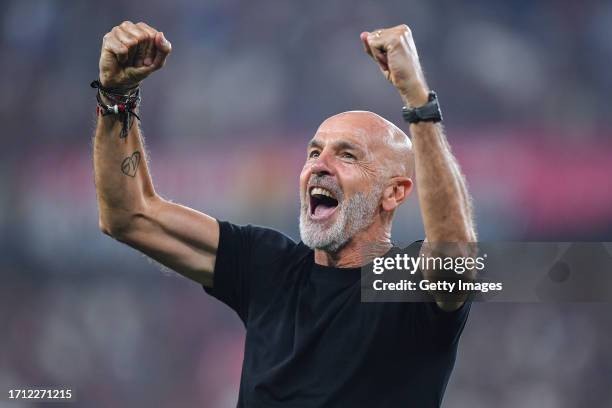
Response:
column 311, row 342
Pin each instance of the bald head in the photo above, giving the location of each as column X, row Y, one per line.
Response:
column 390, row 145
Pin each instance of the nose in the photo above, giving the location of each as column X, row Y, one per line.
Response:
column 321, row 166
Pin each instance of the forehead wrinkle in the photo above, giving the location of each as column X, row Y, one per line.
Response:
column 338, row 144
column 378, row 136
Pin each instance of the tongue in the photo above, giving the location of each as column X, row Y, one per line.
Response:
column 322, row 211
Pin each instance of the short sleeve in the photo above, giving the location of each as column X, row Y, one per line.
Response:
column 241, row 258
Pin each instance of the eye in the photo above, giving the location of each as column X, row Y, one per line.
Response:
column 313, row 154
column 347, row 155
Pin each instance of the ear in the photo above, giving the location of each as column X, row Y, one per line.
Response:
column 395, row 194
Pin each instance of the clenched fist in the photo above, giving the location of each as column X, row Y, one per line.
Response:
column 394, row 51
column 130, row 53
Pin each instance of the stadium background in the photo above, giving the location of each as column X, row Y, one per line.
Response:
column 525, row 88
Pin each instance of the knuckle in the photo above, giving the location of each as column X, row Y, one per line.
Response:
column 125, row 24
column 139, row 34
column 150, row 30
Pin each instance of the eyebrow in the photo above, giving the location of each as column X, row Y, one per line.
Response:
column 340, row 145
column 314, row 143
column 344, row 145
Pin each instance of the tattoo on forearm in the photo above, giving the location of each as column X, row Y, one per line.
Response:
column 129, row 165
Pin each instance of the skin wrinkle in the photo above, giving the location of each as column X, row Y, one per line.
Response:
column 361, row 226
column 398, row 159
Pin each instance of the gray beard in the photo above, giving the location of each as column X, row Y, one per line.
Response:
column 354, row 215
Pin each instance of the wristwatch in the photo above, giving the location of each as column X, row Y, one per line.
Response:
column 430, row 112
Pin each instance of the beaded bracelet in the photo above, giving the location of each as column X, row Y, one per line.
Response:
column 123, row 104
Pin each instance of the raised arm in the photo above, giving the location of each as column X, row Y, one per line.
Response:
column 130, row 211
column 443, row 196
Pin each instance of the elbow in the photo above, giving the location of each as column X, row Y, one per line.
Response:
column 104, row 227
column 116, row 229
column 120, row 224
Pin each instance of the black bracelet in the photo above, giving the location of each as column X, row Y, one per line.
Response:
column 123, row 104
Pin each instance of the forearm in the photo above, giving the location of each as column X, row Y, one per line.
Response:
column 443, row 196
column 123, row 185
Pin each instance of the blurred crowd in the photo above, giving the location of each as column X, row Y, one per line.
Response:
column 524, row 88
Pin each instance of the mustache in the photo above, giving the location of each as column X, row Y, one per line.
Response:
column 326, row 182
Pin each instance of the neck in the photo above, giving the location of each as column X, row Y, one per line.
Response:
column 359, row 250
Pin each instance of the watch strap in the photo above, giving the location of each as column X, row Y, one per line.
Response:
column 430, row 112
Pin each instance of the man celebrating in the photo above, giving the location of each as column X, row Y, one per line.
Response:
column 310, row 340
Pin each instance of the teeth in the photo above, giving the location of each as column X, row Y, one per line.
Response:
column 321, row 191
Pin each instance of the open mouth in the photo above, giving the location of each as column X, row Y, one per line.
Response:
column 322, row 203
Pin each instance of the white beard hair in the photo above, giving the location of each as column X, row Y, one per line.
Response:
column 354, row 215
